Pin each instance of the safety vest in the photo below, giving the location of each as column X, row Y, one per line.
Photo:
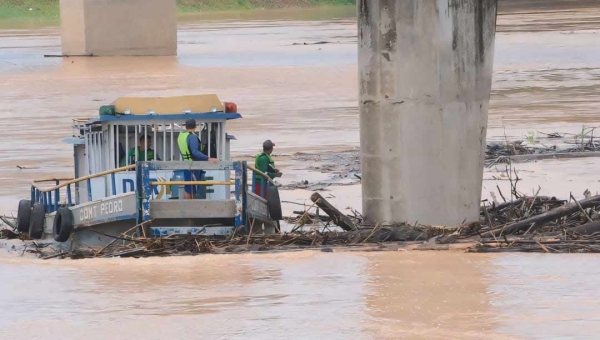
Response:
column 184, row 148
column 141, row 154
column 271, row 162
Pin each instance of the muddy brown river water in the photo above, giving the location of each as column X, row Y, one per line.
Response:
column 304, row 97
column 303, row 295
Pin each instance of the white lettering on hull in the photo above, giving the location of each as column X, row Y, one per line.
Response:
column 87, row 213
column 108, row 208
column 111, row 207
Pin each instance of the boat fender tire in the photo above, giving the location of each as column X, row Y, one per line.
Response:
column 36, row 227
column 274, row 203
column 24, row 216
column 63, row 224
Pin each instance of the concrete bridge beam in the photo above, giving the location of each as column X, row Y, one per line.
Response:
column 118, row 27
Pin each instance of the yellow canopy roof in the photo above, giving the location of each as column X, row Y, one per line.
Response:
column 169, row 105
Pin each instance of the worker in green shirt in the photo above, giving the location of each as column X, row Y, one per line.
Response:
column 264, row 163
column 143, row 150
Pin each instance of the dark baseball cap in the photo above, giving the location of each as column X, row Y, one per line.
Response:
column 268, row 144
column 190, row 123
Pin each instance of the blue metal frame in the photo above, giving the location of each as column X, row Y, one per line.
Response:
column 56, row 198
column 144, row 190
column 69, row 200
column 113, row 183
column 49, row 200
column 187, row 165
column 175, row 117
column 89, row 189
column 263, row 185
column 240, row 169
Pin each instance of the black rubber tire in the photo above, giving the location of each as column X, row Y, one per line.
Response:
column 274, row 203
column 63, row 224
column 38, row 216
column 24, row 216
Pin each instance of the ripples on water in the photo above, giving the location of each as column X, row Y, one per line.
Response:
column 229, row 297
column 388, row 295
column 268, row 296
column 547, row 297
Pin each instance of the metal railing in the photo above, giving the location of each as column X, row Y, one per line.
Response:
column 146, row 190
column 50, row 197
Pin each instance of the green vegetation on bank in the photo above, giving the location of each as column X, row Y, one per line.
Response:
column 186, row 6
column 48, row 10
column 29, row 9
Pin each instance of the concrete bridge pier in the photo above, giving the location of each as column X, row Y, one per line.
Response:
column 425, row 78
column 118, row 27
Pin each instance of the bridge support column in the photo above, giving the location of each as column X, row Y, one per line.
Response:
column 118, row 27
column 425, row 78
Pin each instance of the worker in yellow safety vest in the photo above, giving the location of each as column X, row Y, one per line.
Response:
column 189, row 146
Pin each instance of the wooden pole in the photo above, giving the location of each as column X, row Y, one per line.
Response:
column 337, row 217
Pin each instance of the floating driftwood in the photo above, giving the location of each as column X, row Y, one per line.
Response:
column 67, row 55
column 9, row 221
column 548, row 216
column 542, row 156
column 337, row 217
column 587, row 229
column 539, row 224
column 519, row 151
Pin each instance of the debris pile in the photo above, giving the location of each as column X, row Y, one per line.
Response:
column 316, row 239
column 538, row 223
column 522, row 224
column 8, row 229
column 8, row 234
column 343, row 168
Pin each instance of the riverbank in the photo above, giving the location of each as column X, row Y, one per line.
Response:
column 47, row 11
